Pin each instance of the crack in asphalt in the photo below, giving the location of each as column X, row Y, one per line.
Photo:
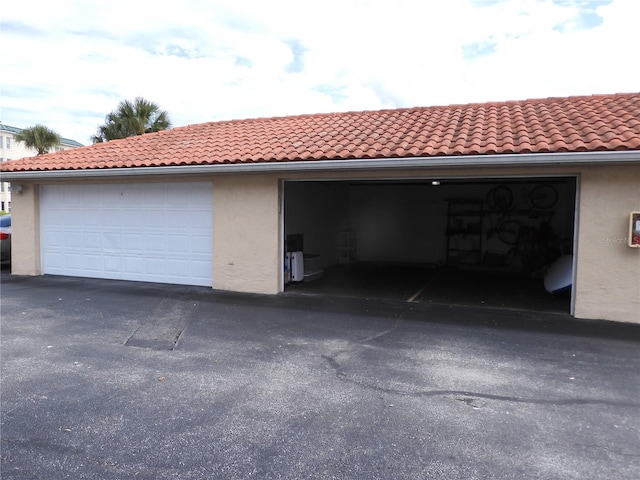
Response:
column 335, row 365
column 383, row 333
column 607, row 449
column 469, row 396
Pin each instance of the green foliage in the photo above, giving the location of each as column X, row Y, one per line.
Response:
column 39, row 137
column 132, row 118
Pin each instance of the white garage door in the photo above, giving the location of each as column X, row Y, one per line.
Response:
column 155, row 232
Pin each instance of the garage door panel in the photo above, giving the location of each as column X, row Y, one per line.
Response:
column 132, row 195
column 178, row 268
column 112, row 263
column 182, row 222
column 73, row 241
column 200, row 269
column 90, row 217
column 55, row 260
column 133, row 219
column 134, row 243
column 199, row 245
column 74, row 262
column 56, row 217
column 155, row 243
column 156, row 220
column 91, row 262
column 157, row 265
column 133, row 265
column 146, row 232
column 112, row 220
column 56, row 237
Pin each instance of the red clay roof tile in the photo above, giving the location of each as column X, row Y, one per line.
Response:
column 572, row 124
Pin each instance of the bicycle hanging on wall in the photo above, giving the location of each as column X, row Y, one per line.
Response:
column 500, row 202
column 528, row 242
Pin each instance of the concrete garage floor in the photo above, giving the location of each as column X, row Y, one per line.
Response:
column 438, row 286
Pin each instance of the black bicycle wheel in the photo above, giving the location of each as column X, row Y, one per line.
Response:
column 500, row 198
column 509, row 232
column 544, row 196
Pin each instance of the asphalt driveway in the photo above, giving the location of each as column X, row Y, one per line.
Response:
column 117, row 380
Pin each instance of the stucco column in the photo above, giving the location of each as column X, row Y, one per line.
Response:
column 608, row 270
column 246, row 233
column 25, row 230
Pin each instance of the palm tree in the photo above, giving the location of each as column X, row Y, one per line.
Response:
column 132, row 118
column 40, row 138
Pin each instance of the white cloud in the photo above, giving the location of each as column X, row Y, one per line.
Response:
column 68, row 63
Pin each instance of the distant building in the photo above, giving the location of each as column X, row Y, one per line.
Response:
column 12, row 150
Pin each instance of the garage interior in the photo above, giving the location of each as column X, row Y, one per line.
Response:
column 452, row 241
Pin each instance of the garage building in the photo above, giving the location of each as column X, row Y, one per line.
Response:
column 462, row 204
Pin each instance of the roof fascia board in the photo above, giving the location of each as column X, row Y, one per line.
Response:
column 519, row 159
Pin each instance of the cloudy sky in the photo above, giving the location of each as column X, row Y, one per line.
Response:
column 68, row 63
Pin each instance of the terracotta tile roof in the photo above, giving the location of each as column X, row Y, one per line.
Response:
column 572, row 124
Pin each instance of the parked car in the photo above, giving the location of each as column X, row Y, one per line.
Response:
column 5, row 239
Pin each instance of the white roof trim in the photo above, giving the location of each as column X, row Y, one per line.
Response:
column 518, row 159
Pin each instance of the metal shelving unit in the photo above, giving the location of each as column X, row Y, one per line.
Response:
column 464, row 232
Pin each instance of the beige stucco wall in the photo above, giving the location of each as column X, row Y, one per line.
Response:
column 247, row 231
column 25, row 231
column 246, row 234
column 608, row 270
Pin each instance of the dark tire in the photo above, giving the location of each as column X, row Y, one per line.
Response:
column 509, row 232
column 544, row 197
column 500, row 198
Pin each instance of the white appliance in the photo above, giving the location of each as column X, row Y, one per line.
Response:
column 295, row 261
column 560, row 275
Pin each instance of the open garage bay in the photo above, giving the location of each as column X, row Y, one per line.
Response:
column 445, row 241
